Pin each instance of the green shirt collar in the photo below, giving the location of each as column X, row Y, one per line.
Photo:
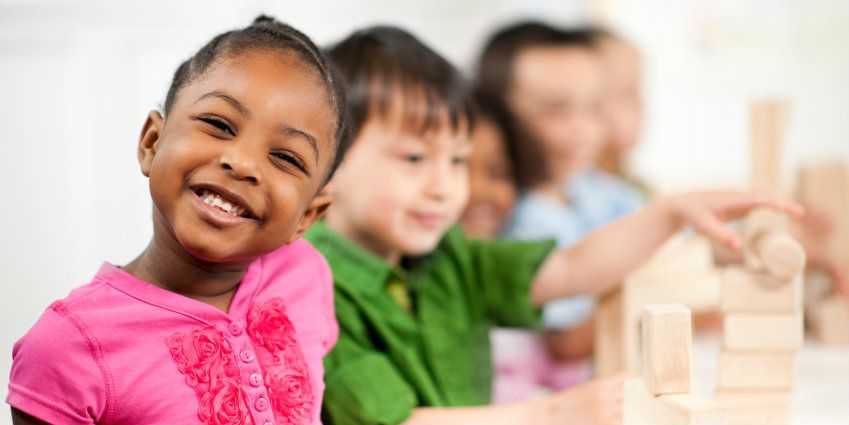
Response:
column 354, row 268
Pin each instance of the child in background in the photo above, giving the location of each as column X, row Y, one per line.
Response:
column 225, row 317
column 553, row 82
column 622, row 105
column 522, row 364
column 415, row 299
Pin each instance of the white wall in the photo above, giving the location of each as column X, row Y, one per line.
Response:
column 77, row 78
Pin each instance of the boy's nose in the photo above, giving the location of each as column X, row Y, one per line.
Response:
column 240, row 165
column 438, row 183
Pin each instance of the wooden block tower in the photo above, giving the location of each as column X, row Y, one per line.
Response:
column 762, row 300
column 663, row 396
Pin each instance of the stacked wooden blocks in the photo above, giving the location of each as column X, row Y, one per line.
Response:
column 663, row 396
column 763, row 327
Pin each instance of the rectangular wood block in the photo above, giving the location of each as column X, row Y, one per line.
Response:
column 747, row 371
column 756, row 408
column 642, row 408
column 667, row 351
column 830, row 320
column 762, row 331
column 745, row 291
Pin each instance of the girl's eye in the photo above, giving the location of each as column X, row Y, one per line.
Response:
column 219, row 125
column 291, row 159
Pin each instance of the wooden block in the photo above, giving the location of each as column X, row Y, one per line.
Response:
column 756, row 408
column 768, row 246
column 745, row 291
column 769, row 371
column 667, row 348
column 768, row 119
column 609, row 336
column 642, row 408
column 762, row 331
column 825, row 188
column 830, row 320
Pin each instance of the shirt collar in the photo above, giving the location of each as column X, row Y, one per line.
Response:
column 151, row 294
column 354, row 268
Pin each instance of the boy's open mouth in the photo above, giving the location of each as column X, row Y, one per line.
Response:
column 222, row 202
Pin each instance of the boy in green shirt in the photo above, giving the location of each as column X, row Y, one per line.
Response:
column 414, row 298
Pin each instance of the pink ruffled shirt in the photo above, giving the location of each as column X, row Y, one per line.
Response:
column 122, row 351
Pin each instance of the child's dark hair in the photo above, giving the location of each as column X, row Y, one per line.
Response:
column 521, row 154
column 495, row 76
column 267, row 33
column 381, row 62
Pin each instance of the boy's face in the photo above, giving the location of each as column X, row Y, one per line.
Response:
column 236, row 166
column 397, row 192
column 556, row 92
column 492, row 191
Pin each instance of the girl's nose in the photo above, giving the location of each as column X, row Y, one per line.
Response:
column 240, row 165
column 438, row 183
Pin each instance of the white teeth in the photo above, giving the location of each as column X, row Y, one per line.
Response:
column 211, row 198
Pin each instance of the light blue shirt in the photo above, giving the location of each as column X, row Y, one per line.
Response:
column 595, row 199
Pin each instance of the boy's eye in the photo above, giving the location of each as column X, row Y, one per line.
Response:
column 219, row 125
column 459, row 160
column 413, row 158
column 291, row 159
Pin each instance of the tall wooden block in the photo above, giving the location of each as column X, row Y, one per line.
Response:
column 762, row 332
column 825, row 188
column 642, row 408
column 745, row 291
column 667, row 351
column 830, row 320
column 767, row 371
column 756, row 408
column 768, row 119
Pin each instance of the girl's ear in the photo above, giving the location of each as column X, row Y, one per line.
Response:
column 315, row 211
column 149, row 140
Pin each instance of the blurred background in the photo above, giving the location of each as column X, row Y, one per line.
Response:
column 78, row 78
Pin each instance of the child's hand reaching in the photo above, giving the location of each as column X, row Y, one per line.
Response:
column 597, row 402
column 601, row 260
column 707, row 211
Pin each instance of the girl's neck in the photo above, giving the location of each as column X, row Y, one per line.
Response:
column 168, row 266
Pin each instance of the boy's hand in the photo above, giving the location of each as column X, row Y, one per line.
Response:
column 597, row 402
column 707, row 211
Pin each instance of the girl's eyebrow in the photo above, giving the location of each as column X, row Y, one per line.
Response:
column 289, row 130
column 227, row 98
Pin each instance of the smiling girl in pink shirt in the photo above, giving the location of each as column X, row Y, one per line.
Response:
column 225, row 317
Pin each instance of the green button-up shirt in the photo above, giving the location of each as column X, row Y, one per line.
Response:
column 389, row 360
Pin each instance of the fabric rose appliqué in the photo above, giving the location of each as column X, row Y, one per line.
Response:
column 285, row 371
column 207, row 360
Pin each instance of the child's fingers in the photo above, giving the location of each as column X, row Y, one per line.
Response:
column 712, row 227
column 777, row 203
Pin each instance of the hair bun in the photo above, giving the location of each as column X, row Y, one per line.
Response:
column 261, row 19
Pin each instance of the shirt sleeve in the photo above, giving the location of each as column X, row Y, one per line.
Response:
column 506, row 270
column 56, row 376
column 363, row 386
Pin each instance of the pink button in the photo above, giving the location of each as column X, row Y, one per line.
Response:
column 255, row 379
column 268, row 423
column 261, row 404
column 247, row 356
column 235, row 328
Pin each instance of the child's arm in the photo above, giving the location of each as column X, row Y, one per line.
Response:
column 21, row 418
column 598, row 402
column 603, row 258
